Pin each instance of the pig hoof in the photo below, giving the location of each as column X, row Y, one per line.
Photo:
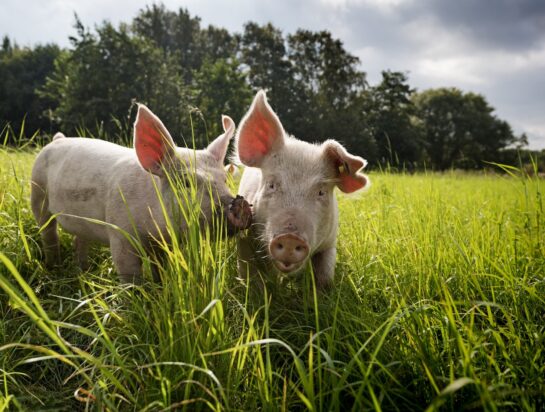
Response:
column 240, row 213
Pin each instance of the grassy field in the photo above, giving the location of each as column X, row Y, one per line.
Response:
column 438, row 304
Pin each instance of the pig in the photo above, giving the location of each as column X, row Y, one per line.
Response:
column 75, row 180
column 290, row 184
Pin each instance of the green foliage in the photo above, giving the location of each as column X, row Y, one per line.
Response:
column 325, row 68
column 99, row 79
column 460, row 129
column 330, row 90
column 189, row 75
column 22, row 71
column 313, row 83
column 263, row 52
column 389, row 116
column 438, row 304
column 178, row 34
column 164, row 60
column 221, row 89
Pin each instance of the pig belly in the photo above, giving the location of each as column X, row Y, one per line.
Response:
column 78, row 226
column 77, row 199
column 76, row 204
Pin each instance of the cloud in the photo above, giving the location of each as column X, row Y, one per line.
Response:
column 440, row 47
column 500, row 24
column 448, row 55
column 384, row 6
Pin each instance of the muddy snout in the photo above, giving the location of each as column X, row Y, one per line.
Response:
column 239, row 213
column 288, row 251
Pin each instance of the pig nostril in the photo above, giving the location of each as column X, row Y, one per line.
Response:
column 298, row 248
column 280, row 246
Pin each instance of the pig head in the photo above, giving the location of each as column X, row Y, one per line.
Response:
column 291, row 186
column 99, row 191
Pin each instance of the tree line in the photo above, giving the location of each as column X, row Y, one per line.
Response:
column 189, row 75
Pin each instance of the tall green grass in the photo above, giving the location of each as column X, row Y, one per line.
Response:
column 439, row 303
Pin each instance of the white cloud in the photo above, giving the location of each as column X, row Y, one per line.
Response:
column 385, row 6
column 449, row 70
column 443, row 56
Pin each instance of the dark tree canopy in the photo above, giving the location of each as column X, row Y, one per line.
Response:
column 190, row 75
column 459, row 129
column 390, row 117
column 264, row 56
column 22, row 71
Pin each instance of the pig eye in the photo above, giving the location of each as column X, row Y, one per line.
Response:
column 185, row 180
column 271, row 186
column 321, row 193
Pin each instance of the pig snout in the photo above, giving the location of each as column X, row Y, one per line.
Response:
column 239, row 213
column 288, row 251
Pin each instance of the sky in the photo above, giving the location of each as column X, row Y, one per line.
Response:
column 494, row 47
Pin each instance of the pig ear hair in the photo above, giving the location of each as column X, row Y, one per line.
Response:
column 347, row 167
column 219, row 146
column 260, row 132
column 231, row 169
column 152, row 142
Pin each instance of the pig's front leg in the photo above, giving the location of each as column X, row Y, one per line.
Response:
column 249, row 264
column 323, row 264
column 126, row 260
column 81, row 247
column 245, row 256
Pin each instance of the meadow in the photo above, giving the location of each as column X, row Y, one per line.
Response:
column 438, row 304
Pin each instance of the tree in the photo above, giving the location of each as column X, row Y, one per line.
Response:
column 221, row 88
column 7, row 47
column 96, row 83
column 178, row 35
column 390, row 115
column 190, row 75
column 22, row 71
column 217, row 43
column 330, row 88
column 325, row 68
column 313, row 83
column 460, row 128
column 263, row 53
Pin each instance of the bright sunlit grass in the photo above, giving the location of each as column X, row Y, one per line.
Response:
column 439, row 302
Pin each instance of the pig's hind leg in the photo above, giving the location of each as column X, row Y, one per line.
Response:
column 126, row 260
column 81, row 246
column 48, row 224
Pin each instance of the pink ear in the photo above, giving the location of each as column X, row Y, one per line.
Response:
column 351, row 183
column 260, row 132
column 228, row 123
column 219, row 146
column 346, row 166
column 152, row 141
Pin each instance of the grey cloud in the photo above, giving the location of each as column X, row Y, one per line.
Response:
column 504, row 24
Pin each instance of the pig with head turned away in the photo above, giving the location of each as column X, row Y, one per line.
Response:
column 99, row 191
column 290, row 184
